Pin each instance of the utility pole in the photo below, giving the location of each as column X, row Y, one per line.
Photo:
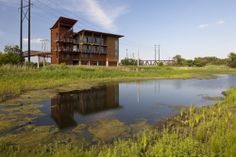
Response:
column 138, row 58
column 29, row 35
column 127, row 55
column 159, row 53
column 23, row 15
column 155, row 46
column 21, row 27
column 44, row 45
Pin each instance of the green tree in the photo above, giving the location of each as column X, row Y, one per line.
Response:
column 232, row 60
column 188, row 62
column 130, row 61
column 11, row 55
column 199, row 62
column 178, row 60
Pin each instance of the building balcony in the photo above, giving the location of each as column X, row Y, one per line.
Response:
column 78, row 51
column 95, row 44
column 67, row 41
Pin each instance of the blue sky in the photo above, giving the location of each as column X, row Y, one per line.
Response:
column 186, row 27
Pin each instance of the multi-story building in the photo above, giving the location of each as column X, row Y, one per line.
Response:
column 85, row 47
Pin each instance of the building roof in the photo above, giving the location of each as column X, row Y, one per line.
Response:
column 64, row 20
column 104, row 33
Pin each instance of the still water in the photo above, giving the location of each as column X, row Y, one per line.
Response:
column 150, row 100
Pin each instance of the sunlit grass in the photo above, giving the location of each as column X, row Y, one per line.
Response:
column 15, row 80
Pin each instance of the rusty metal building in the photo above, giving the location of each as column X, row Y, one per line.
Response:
column 85, row 47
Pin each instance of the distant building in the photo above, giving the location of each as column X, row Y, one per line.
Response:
column 85, row 47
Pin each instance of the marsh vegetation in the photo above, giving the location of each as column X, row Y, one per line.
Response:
column 204, row 131
column 16, row 80
column 195, row 131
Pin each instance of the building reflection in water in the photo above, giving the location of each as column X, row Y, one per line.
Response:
column 64, row 106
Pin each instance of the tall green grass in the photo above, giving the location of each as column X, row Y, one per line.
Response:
column 17, row 79
column 205, row 131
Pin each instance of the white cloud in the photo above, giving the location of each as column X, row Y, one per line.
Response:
column 203, row 26
column 98, row 12
column 220, row 22
column 33, row 41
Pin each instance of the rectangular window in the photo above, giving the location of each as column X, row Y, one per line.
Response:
column 75, row 48
column 102, row 41
column 85, row 48
column 102, row 50
column 85, row 39
column 57, row 36
column 117, row 47
column 89, row 39
column 98, row 41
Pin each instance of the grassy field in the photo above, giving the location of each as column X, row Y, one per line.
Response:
column 205, row 131
column 15, row 80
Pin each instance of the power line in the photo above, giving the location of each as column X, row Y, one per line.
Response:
column 56, row 11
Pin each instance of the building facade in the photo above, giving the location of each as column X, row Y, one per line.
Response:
column 85, row 47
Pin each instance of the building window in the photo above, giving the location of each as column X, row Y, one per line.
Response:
column 85, row 39
column 89, row 39
column 97, row 40
column 117, row 47
column 85, row 48
column 57, row 36
column 75, row 49
column 102, row 50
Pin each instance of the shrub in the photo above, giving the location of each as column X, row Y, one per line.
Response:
column 130, row 61
column 188, row 62
column 199, row 62
column 161, row 64
column 11, row 55
column 232, row 60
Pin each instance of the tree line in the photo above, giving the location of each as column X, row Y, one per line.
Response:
column 196, row 62
column 12, row 55
column 204, row 61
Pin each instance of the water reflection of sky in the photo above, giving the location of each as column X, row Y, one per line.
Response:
column 132, row 101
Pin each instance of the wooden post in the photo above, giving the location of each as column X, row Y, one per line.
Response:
column 44, row 61
column 107, row 62
column 38, row 62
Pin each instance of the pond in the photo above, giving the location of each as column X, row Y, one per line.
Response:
column 129, row 102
